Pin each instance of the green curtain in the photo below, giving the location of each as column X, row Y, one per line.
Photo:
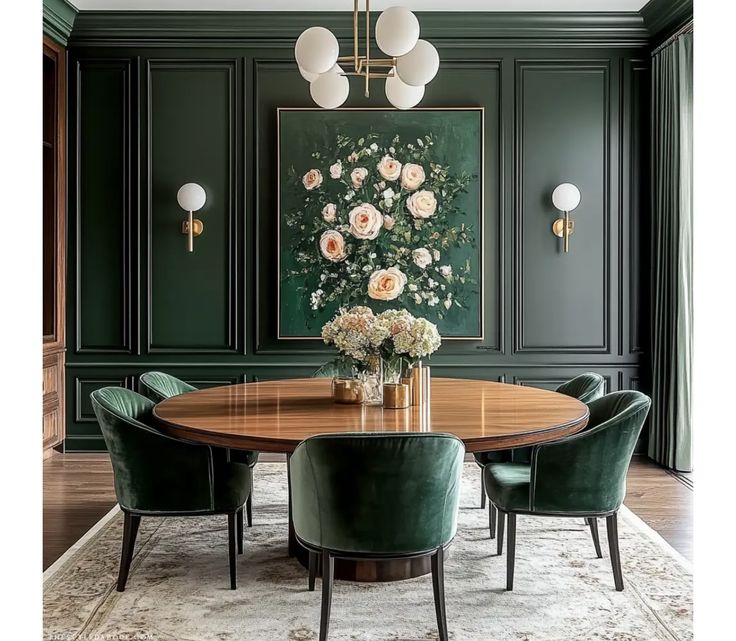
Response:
column 670, row 440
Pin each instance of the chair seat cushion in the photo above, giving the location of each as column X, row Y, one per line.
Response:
column 499, row 456
column 507, row 485
column 244, row 457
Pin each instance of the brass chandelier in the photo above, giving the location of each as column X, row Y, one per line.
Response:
column 411, row 64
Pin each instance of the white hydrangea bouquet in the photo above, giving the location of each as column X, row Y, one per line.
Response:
column 378, row 222
column 380, row 345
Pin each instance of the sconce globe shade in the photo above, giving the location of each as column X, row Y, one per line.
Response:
column 191, row 197
column 401, row 95
column 316, row 50
column 420, row 65
column 397, row 31
column 330, row 90
column 566, row 197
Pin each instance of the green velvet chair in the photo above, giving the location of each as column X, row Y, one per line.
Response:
column 586, row 388
column 156, row 475
column 376, row 496
column 158, row 386
column 583, row 475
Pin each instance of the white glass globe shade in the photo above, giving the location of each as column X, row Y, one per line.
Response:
column 420, row 65
column 566, row 197
column 316, row 50
column 401, row 95
column 191, row 197
column 311, row 77
column 330, row 90
column 397, row 31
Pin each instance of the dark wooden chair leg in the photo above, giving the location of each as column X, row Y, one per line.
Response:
column 612, row 531
column 438, row 585
column 328, row 574
column 492, row 519
column 130, row 531
column 511, row 552
column 312, row 569
column 501, row 523
column 231, row 546
column 593, row 523
column 240, row 530
column 249, row 502
column 482, row 491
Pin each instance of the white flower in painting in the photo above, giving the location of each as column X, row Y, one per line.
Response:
column 349, row 195
column 421, row 257
column 446, row 271
column 386, row 284
column 432, row 283
column 392, row 150
column 422, row 204
column 412, row 176
column 316, row 299
column 388, row 194
column 332, row 246
column 336, row 170
column 365, row 221
column 389, row 168
column 412, row 287
column 312, row 179
column 433, row 300
column 447, row 303
column 417, row 299
column 328, row 212
column 388, row 222
column 436, row 254
column 420, row 142
column 374, row 147
column 357, row 176
column 353, row 157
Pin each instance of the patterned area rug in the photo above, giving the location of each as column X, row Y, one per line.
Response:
column 177, row 590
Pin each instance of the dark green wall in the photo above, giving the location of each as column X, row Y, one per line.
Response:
column 187, row 102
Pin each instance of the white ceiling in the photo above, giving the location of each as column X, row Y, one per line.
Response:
column 347, row 5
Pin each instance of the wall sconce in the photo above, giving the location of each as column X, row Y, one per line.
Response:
column 565, row 197
column 191, row 197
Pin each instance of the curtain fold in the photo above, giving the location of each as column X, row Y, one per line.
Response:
column 670, row 441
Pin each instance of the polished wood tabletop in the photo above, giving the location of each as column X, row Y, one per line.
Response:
column 275, row 416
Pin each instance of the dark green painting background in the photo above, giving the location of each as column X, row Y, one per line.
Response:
column 458, row 140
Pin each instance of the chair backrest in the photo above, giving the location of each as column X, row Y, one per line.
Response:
column 586, row 472
column 586, row 387
column 376, row 494
column 158, row 386
column 153, row 472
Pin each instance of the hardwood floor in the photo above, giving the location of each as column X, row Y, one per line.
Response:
column 78, row 492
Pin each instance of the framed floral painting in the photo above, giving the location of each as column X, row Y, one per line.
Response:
column 381, row 208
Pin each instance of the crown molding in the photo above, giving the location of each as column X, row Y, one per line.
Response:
column 663, row 17
column 280, row 29
column 58, row 20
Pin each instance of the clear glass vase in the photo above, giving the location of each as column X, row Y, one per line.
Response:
column 372, row 378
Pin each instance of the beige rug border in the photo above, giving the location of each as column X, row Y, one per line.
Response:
column 92, row 533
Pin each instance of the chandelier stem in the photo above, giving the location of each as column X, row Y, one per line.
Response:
column 355, row 34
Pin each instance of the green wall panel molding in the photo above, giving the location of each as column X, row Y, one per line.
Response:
column 58, row 20
column 664, row 17
column 192, row 136
column 279, row 30
column 103, row 206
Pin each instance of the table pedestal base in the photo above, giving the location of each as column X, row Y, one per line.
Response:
column 372, row 571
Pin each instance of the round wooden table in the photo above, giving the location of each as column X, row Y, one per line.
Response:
column 275, row 416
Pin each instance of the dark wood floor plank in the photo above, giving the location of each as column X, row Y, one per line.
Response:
column 78, row 492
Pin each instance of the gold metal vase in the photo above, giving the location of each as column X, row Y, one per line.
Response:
column 420, row 384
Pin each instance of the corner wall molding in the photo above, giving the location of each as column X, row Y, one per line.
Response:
column 58, row 20
column 280, row 29
column 664, row 17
